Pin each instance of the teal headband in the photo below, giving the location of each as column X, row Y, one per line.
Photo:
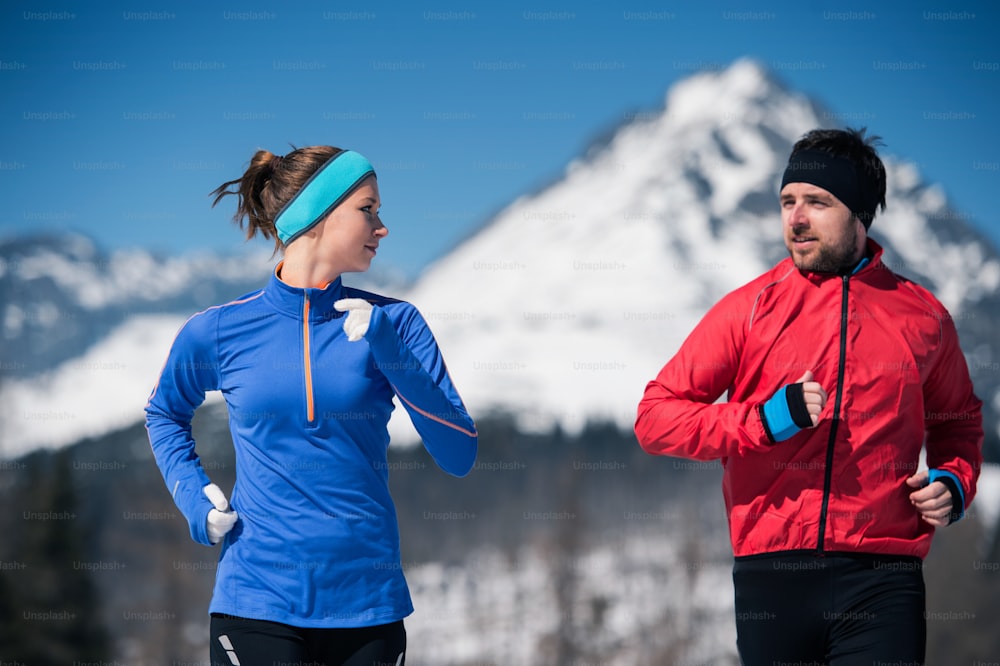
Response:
column 323, row 192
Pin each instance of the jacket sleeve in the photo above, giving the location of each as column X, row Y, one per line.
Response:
column 953, row 415
column 191, row 370
column 679, row 414
column 415, row 368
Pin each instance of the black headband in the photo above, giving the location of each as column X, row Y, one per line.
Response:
column 836, row 175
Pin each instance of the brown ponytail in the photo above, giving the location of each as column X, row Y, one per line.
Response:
column 268, row 184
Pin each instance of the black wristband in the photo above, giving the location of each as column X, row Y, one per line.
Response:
column 797, row 406
column 957, row 510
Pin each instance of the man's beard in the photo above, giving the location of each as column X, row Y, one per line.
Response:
column 830, row 258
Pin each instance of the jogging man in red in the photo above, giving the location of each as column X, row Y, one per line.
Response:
column 837, row 372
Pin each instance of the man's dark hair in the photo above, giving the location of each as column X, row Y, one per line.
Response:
column 860, row 149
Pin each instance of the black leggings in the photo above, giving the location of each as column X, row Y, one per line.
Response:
column 237, row 640
column 835, row 610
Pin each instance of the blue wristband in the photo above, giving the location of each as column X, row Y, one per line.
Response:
column 778, row 417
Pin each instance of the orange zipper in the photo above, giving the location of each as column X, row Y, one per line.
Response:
column 307, row 365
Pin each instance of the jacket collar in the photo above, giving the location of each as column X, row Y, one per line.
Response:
column 873, row 254
column 291, row 300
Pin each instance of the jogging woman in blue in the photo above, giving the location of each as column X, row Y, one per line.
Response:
column 310, row 568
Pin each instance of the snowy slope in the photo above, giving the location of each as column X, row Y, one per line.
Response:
column 101, row 391
column 84, row 334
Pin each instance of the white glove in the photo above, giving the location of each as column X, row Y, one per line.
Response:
column 359, row 314
column 220, row 519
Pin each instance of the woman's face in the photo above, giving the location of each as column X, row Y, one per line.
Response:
column 348, row 237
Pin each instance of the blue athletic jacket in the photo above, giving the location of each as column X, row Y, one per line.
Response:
column 317, row 542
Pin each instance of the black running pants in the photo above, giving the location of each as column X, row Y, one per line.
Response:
column 834, row 610
column 239, row 641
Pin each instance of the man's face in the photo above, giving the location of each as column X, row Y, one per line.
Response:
column 821, row 233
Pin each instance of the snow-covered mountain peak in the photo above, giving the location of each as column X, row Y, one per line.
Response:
column 714, row 97
column 570, row 300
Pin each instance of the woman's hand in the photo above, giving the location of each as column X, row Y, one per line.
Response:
column 359, row 314
column 221, row 519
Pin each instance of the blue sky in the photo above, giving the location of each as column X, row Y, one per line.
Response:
column 119, row 119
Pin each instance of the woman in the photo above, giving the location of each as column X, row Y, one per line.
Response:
column 310, row 568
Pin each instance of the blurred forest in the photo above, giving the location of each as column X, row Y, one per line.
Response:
column 97, row 565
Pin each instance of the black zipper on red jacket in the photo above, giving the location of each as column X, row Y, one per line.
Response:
column 828, row 474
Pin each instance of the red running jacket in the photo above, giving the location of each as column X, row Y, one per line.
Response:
column 886, row 352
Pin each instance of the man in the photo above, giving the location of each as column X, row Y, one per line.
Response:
column 837, row 371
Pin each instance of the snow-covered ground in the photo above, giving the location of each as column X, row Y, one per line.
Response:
column 624, row 603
